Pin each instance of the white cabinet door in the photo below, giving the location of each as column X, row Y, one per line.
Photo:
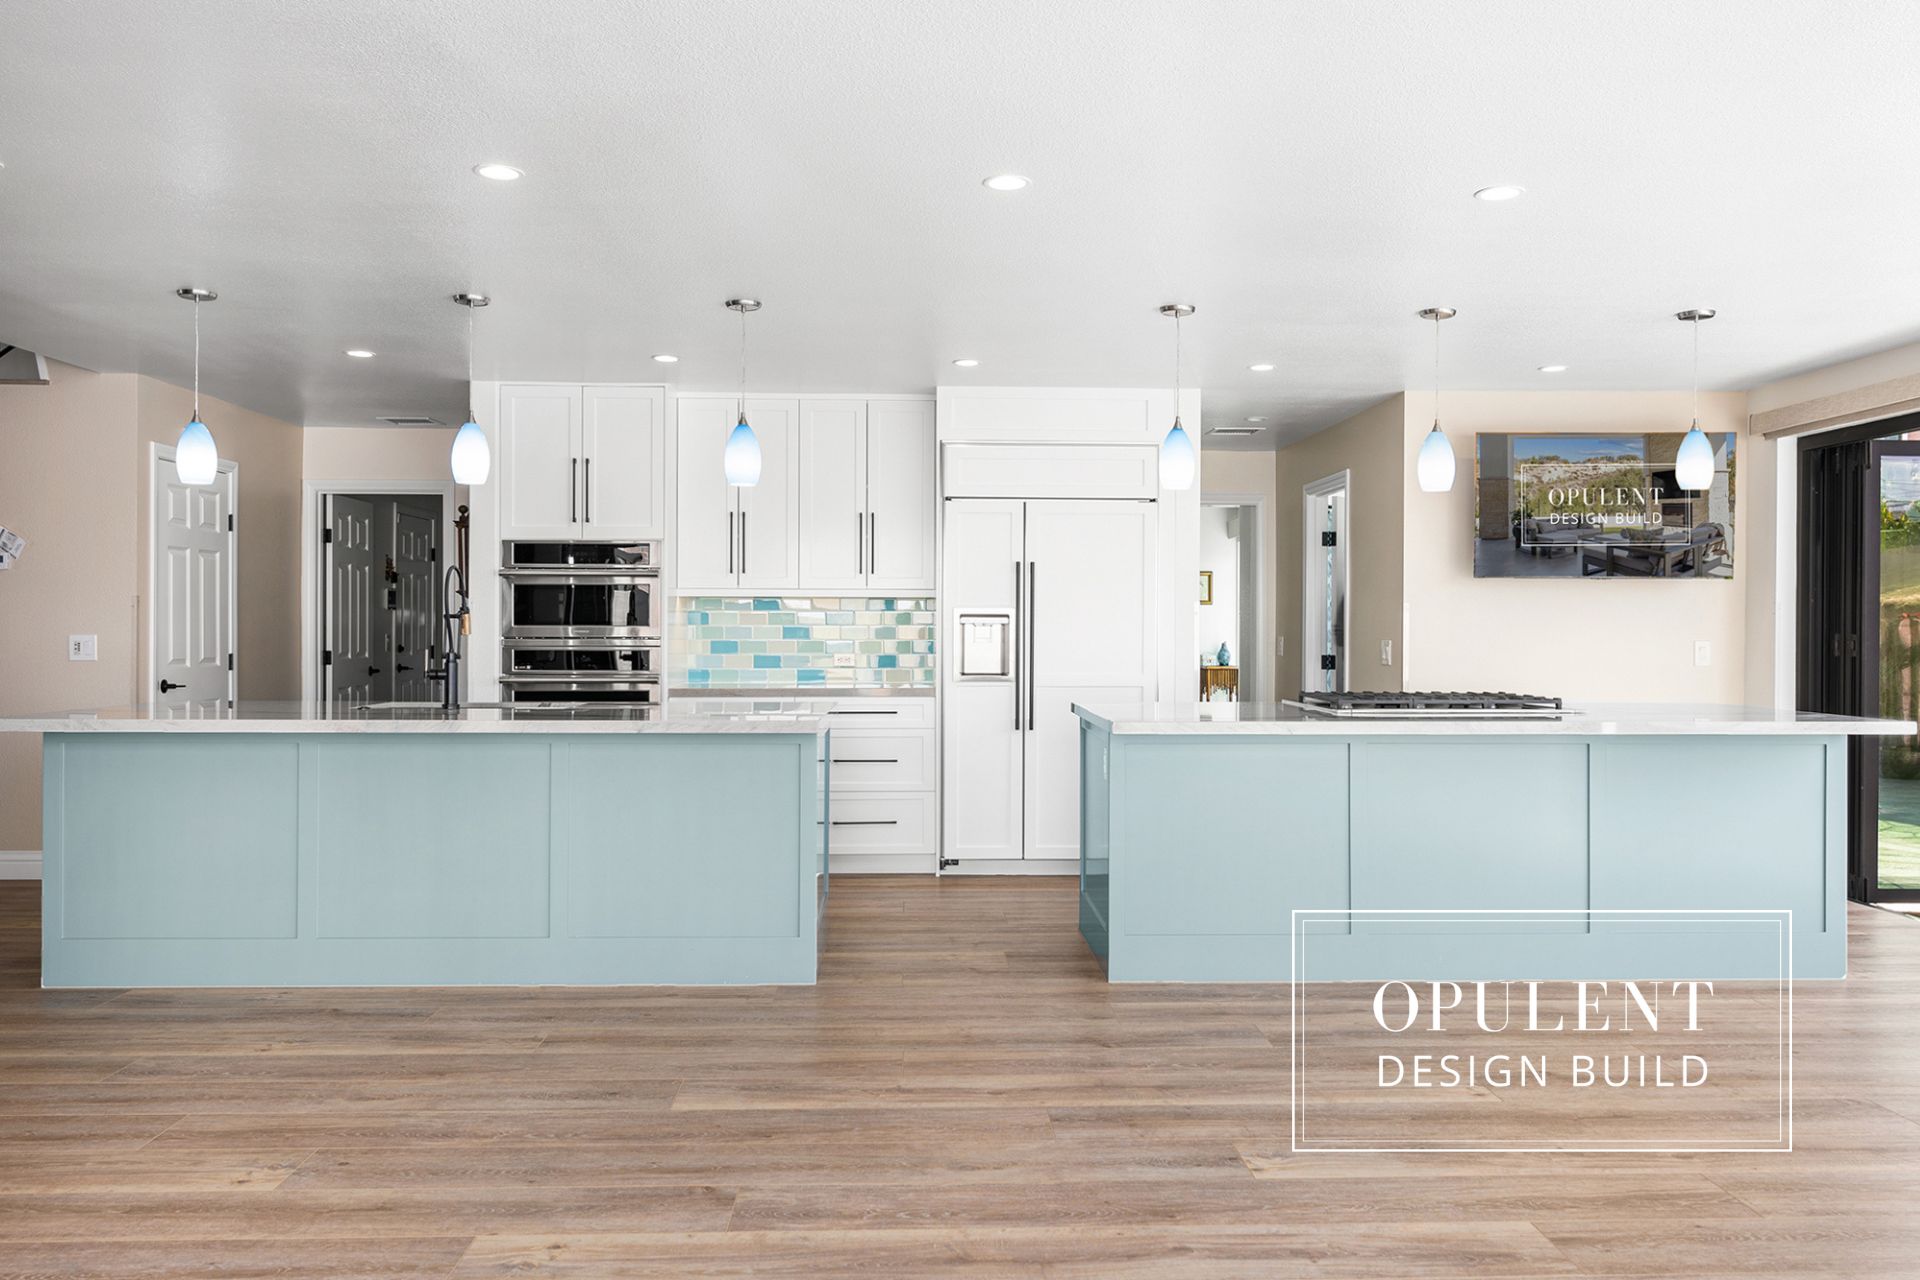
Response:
column 981, row 751
column 833, row 495
column 770, row 511
column 705, row 545
column 1089, row 608
column 900, row 495
column 623, row 463
column 539, row 462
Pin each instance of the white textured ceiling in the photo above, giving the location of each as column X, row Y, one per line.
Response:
column 1300, row 171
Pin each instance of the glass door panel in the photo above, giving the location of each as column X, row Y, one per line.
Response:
column 1898, row 589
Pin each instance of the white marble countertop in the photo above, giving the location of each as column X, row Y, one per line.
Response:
column 1579, row 720
column 308, row 717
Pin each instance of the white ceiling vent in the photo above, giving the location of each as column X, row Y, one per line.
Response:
column 21, row 368
column 403, row 420
column 1235, row 431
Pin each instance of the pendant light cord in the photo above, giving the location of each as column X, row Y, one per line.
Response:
column 1696, row 370
column 1436, row 370
column 470, row 417
column 743, row 364
column 196, row 359
column 1176, row 367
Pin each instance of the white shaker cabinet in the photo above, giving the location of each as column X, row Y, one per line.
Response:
column 900, row 495
column 867, row 495
column 730, row 538
column 582, row 462
column 833, row 494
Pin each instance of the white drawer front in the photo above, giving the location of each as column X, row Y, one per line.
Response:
column 880, row 761
column 880, row 713
column 881, row 824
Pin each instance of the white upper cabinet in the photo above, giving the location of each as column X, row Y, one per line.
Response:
column 539, row 463
column 582, row 462
column 833, row 494
column 733, row 539
column 623, row 477
column 770, row 510
column 706, row 524
column 845, row 501
column 900, row 495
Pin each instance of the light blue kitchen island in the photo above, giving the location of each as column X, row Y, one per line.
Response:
column 1246, row 842
column 273, row 844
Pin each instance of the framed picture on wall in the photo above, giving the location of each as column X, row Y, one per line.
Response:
column 1206, row 586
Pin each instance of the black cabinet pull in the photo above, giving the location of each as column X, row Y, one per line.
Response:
column 573, row 491
column 863, row 822
column 587, row 491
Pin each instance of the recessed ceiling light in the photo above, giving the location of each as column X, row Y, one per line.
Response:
column 1504, row 192
column 1261, row 368
column 1257, row 418
column 966, row 364
column 498, row 172
column 1006, row 182
column 1553, row 368
column 666, row 359
column 359, row 353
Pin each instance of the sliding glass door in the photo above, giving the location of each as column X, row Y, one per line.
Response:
column 1896, row 464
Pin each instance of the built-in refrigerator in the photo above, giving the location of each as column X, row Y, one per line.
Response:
column 1044, row 602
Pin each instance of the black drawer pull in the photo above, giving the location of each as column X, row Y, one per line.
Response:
column 864, row 822
column 866, row 762
column 863, row 713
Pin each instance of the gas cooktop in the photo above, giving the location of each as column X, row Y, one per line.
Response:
column 1478, row 706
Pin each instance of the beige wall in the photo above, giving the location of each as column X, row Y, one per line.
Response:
column 1241, row 473
column 63, row 450
column 379, row 453
column 74, row 483
column 1369, row 445
column 1617, row 640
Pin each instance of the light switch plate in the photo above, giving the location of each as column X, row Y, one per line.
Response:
column 83, row 648
column 1386, row 653
column 1702, row 653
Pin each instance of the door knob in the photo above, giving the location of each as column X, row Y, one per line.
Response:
column 168, row 686
column 403, row 667
column 373, row 671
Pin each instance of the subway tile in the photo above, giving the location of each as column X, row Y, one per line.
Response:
column 815, row 676
column 796, row 633
column 763, row 660
column 723, row 646
column 886, row 660
column 765, row 606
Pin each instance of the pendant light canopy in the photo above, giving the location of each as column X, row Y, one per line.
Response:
column 1693, row 465
column 472, row 457
column 1435, row 465
column 742, row 458
column 195, row 458
column 1178, row 459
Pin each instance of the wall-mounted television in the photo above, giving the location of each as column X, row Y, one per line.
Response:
column 1598, row 506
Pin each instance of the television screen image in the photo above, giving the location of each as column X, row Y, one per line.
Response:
column 1599, row 506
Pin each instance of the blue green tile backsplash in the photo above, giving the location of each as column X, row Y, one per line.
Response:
column 790, row 643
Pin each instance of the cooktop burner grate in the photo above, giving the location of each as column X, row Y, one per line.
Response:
column 1426, row 703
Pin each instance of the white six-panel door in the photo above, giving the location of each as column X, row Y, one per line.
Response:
column 982, row 763
column 193, row 569
column 1090, row 574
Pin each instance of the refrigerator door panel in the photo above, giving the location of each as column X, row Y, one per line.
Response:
column 981, row 762
column 1091, row 637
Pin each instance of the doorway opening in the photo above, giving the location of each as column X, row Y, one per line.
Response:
column 1233, row 657
column 1859, row 634
column 1324, row 596
column 377, row 618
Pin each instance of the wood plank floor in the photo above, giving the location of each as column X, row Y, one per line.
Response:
column 961, row 1096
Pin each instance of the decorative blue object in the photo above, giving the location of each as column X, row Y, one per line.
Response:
column 743, row 455
column 1224, row 658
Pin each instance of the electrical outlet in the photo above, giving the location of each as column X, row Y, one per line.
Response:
column 1283, row 646
column 1702, row 653
column 83, row 648
column 844, row 659
column 1386, row 653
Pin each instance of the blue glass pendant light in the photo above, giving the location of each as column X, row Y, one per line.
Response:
column 1434, row 467
column 1179, row 461
column 1693, row 464
column 472, row 459
column 196, row 460
column 742, row 458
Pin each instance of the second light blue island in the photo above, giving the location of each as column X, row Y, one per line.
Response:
column 1241, row 842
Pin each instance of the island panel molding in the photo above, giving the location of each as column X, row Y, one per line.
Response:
column 539, row 856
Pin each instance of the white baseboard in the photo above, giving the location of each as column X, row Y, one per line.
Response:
column 19, row 864
column 889, row 864
column 1015, row 867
